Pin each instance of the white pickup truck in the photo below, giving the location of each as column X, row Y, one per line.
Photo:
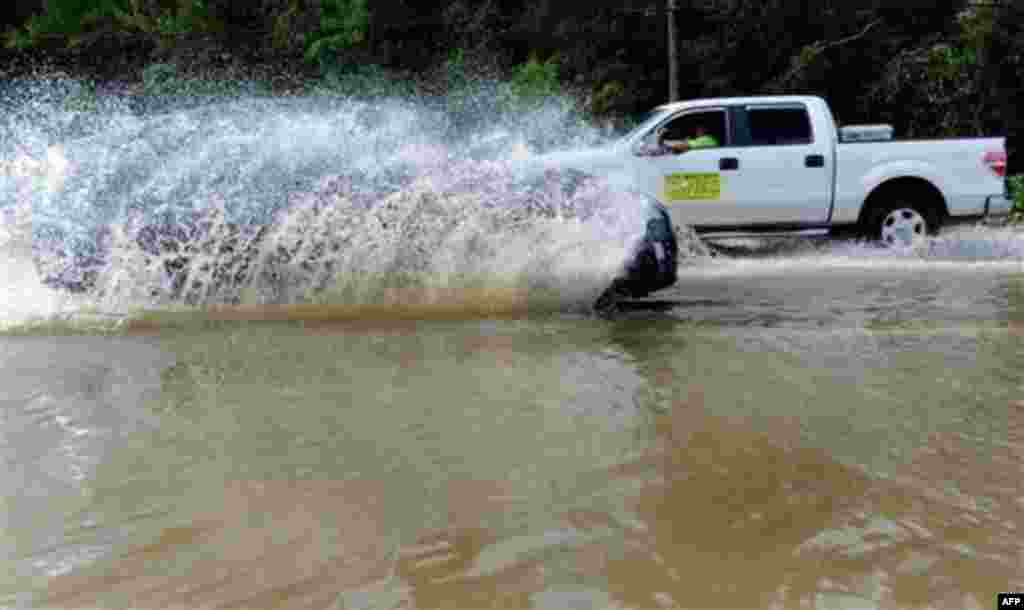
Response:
column 783, row 167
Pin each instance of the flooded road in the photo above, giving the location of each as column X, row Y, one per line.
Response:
column 823, row 428
column 396, row 400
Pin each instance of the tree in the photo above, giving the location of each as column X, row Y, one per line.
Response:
column 673, row 54
column 1006, row 74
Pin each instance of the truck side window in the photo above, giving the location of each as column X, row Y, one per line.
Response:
column 683, row 127
column 779, row 126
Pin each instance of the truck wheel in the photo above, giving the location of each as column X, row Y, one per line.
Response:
column 901, row 222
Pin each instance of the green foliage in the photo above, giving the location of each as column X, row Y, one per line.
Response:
column 85, row 99
column 807, row 55
column 458, row 81
column 190, row 16
column 19, row 39
column 951, row 62
column 63, row 18
column 187, row 16
column 1016, row 187
column 455, row 69
column 343, row 24
column 283, row 36
column 976, row 25
column 959, row 58
column 160, row 78
column 364, row 81
column 534, row 80
column 73, row 20
column 938, row 85
column 606, row 96
column 163, row 80
column 924, row 71
column 473, row 86
column 532, row 84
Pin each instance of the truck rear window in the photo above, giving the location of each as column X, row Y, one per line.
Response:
column 779, row 126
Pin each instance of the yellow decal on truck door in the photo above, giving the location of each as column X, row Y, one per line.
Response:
column 690, row 187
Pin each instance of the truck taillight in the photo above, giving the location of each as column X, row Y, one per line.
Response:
column 996, row 161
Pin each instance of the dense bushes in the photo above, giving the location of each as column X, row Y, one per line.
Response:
column 951, row 70
column 925, row 71
column 73, row 21
column 343, row 24
column 1015, row 185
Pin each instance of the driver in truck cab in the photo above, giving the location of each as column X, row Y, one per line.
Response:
column 701, row 139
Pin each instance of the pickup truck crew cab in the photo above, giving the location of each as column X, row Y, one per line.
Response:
column 783, row 167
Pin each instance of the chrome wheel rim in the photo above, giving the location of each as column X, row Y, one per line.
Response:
column 903, row 226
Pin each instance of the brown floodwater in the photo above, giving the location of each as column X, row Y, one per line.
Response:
column 766, row 434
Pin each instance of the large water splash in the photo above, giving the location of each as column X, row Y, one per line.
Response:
column 324, row 199
column 30, row 168
column 297, row 200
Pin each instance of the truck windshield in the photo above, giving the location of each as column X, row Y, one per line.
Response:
column 646, row 122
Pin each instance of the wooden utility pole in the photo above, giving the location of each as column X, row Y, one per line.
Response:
column 673, row 54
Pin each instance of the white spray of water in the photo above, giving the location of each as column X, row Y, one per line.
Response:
column 23, row 296
column 969, row 249
column 262, row 201
column 422, row 244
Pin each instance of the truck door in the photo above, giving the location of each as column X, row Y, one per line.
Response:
column 692, row 185
column 783, row 170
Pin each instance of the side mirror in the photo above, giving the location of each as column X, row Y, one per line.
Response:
column 651, row 146
column 646, row 149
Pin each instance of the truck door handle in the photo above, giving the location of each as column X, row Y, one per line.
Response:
column 729, row 163
column 815, row 161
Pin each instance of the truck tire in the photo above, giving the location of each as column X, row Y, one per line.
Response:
column 900, row 221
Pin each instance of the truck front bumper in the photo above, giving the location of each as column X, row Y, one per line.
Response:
column 654, row 261
column 997, row 210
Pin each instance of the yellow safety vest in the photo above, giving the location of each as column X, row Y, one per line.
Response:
column 703, row 142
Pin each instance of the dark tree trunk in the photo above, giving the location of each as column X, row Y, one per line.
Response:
column 1006, row 74
column 673, row 53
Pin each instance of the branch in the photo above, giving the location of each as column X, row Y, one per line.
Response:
column 819, row 47
column 810, row 52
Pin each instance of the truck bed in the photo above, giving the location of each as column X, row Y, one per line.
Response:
column 954, row 165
